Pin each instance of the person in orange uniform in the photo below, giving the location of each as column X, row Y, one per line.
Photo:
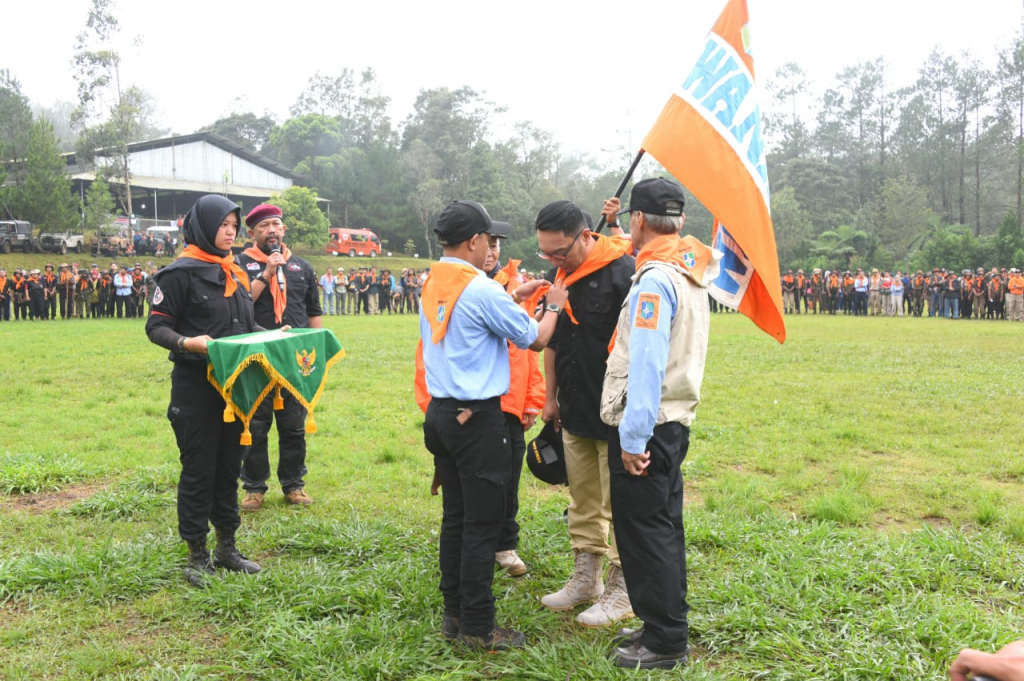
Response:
column 1015, row 296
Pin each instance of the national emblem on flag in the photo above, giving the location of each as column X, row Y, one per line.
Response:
column 709, row 137
column 305, row 361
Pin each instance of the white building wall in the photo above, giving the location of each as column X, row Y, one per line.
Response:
column 204, row 162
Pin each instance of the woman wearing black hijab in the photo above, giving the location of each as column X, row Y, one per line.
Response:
column 201, row 296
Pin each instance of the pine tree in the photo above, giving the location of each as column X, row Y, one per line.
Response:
column 46, row 198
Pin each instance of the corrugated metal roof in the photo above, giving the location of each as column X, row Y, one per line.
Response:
column 165, row 184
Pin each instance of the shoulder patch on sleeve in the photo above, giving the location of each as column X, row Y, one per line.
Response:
column 647, row 308
column 158, row 296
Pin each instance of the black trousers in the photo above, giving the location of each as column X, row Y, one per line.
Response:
column 209, row 451
column 51, row 307
column 5, row 310
column 120, row 302
column 65, row 309
column 647, row 512
column 291, row 444
column 37, row 306
column 474, row 463
column 509, row 537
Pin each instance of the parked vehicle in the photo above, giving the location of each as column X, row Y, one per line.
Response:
column 17, row 234
column 62, row 242
column 112, row 239
column 353, row 242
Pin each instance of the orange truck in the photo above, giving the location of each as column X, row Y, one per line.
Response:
column 353, row 242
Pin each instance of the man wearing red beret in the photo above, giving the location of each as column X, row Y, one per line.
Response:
column 284, row 292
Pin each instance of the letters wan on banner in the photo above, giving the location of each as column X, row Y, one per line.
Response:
column 709, row 137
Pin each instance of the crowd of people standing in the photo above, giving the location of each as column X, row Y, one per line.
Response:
column 996, row 294
column 75, row 292
column 366, row 291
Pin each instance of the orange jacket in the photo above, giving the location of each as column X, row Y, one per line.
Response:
column 526, row 384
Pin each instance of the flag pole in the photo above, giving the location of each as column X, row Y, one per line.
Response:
column 622, row 185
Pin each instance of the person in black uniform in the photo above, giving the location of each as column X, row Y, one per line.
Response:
column 284, row 291
column 49, row 280
column 201, row 296
column 36, row 295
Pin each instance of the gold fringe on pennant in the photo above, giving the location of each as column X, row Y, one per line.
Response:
column 278, row 400
column 246, row 438
column 310, row 423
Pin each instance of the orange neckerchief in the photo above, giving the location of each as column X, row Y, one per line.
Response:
column 686, row 251
column 48, row 278
column 83, row 283
column 66, row 277
column 788, row 279
column 441, row 291
column 232, row 271
column 3, row 284
column 278, row 293
column 604, row 251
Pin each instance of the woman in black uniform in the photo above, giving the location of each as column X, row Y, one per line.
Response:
column 201, row 296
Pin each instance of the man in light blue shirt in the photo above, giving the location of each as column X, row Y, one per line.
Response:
column 466, row 321
column 327, row 285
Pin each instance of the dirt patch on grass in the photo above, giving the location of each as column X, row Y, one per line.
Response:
column 49, row 501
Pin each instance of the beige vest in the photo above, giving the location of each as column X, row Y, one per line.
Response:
column 687, row 349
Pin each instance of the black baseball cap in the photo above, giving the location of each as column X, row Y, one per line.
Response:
column 656, row 196
column 545, row 456
column 462, row 220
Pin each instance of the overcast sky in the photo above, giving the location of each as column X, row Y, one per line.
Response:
column 594, row 74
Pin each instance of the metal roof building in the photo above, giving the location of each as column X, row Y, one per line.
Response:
column 169, row 174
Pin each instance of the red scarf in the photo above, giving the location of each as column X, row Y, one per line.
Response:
column 278, row 293
column 227, row 263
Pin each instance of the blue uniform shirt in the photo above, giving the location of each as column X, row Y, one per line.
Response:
column 648, row 357
column 471, row 361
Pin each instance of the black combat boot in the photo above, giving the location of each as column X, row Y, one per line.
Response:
column 228, row 557
column 198, row 569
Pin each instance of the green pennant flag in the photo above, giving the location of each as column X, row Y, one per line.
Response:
column 246, row 369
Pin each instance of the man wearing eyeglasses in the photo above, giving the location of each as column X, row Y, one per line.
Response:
column 597, row 271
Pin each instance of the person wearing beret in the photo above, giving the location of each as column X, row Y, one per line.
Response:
column 204, row 295
column 284, row 293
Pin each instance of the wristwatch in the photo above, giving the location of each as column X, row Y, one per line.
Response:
column 551, row 307
column 263, row 278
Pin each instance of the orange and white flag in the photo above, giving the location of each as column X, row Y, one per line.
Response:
column 709, row 137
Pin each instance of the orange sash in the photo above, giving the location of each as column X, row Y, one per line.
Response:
column 227, row 263
column 605, row 250
column 441, row 291
column 278, row 293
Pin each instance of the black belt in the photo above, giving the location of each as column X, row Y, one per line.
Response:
column 475, row 405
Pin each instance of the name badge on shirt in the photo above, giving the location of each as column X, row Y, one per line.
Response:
column 253, row 266
column 647, row 308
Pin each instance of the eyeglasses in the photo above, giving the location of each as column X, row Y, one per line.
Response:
column 562, row 253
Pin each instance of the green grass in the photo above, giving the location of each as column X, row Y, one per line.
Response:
column 854, row 511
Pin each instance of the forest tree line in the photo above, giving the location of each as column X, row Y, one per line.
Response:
column 869, row 173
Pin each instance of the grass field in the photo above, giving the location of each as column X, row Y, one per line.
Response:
column 854, row 511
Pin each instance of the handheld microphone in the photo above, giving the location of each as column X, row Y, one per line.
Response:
column 280, row 269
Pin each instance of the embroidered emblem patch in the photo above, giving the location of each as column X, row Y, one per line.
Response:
column 689, row 259
column 294, row 266
column 440, row 313
column 158, row 296
column 253, row 266
column 647, row 311
column 305, row 361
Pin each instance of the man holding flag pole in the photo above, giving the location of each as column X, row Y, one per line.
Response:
column 709, row 137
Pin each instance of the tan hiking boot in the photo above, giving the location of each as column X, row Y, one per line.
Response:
column 585, row 585
column 510, row 562
column 252, row 502
column 613, row 605
column 298, row 497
